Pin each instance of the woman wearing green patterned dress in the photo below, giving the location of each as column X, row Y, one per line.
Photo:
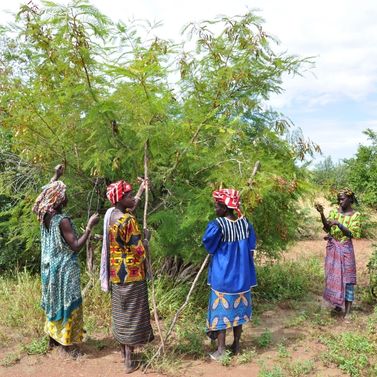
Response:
column 342, row 225
column 60, row 270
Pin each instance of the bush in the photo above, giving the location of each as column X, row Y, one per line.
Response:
column 287, row 280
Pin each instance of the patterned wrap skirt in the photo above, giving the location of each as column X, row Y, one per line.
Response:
column 130, row 313
column 226, row 310
column 69, row 332
column 340, row 272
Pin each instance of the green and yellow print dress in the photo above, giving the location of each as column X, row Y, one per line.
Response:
column 351, row 222
column 61, row 291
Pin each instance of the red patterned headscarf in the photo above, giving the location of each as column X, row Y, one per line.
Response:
column 229, row 197
column 116, row 190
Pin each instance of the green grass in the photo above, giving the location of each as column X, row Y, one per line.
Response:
column 37, row 346
column 300, row 368
column 288, row 280
column 167, row 364
column 246, row 356
column 170, row 295
column 298, row 320
column 351, row 352
column 282, row 351
column 20, row 304
column 190, row 336
column 226, row 359
column 289, row 368
column 271, row 372
column 265, row 339
column 10, row 359
column 97, row 310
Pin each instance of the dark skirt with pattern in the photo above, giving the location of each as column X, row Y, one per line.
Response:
column 130, row 313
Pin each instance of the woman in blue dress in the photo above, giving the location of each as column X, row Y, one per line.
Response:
column 230, row 240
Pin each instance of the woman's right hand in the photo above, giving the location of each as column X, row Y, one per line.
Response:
column 147, row 234
column 318, row 207
column 93, row 220
column 59, row 170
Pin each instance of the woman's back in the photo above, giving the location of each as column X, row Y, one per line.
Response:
column 60, row 272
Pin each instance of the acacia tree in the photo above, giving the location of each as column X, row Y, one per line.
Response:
column 80, row 89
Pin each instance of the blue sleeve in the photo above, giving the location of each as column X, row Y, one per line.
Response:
column 252, row 241
column 212, row 237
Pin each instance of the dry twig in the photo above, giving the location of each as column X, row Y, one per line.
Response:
column 149, row 263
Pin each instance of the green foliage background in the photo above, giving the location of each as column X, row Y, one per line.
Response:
column 77, row 88
column 358, row 173
column 363, row 170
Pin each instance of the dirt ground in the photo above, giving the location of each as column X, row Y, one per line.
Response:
column 283, row 322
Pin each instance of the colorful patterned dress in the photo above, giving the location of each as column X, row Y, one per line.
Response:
column 231, row 272
column 340, row 264
column 129, row 291
column 61, row 291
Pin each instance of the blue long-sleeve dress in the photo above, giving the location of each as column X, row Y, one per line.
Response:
column 231, row 272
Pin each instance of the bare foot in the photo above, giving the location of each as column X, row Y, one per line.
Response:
column 235, row 348
column 217, row 355
column 347, row 319
column 131, row 366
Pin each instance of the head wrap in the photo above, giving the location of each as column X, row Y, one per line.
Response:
column 229, row 197
column 116, row 190
column 349, row 193
column 51, row 197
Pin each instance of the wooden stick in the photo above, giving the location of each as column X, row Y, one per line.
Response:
column 179, row 311
column 89, row 247
column 146, row 185
column 257, row 166
column 149, row 263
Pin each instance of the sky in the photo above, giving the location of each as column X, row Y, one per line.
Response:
column 334, row 100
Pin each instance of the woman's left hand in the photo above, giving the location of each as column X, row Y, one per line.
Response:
column 143, row 182
column 146, row 244
column 333, row 222
column 319, row 207
column 94, row 219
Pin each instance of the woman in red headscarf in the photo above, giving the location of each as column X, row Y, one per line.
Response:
column 123, row 271
column 230, row 240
